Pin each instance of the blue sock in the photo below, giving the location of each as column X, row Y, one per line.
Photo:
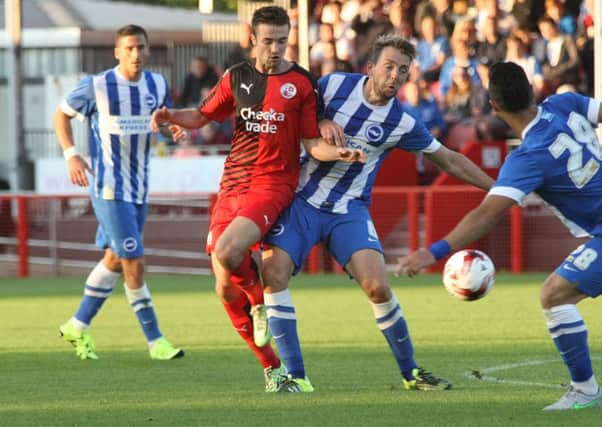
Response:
column 283, row 325
column 391, row 323
column 99, row 286
column 142, row 303
column 569, row 333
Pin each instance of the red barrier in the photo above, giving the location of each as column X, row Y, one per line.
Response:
column 22, row 236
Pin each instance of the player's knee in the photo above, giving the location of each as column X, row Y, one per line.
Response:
column 377, row 291
column 275, row 277
column 228, row 255
column 552, row 295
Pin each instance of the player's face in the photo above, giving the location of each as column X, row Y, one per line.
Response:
column 131, row 52
column 389, row 73
column 270, row 44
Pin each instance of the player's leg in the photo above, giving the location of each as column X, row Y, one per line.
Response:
column 237, row 306
column 123, row 223
column 232, row 251
column 288, row 243
column 578, row 277
column 99, row 286
column 355, row 245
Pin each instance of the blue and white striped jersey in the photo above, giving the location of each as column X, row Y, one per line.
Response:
column 560, row 159
column 334, row 186
column 119, row 113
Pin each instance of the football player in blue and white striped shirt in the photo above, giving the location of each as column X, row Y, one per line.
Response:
column 117, row 104
column 559, row 159
column 332, row 200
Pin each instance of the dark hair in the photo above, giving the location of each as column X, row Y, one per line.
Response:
column 270, row 15
column 131, row 30
column 509, row 87
column 394, row 41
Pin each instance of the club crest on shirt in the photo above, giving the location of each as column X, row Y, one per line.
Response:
column 150, row 101
column 374, row 132
column 288, row 90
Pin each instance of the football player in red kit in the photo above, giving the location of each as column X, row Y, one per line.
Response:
column 275, row 103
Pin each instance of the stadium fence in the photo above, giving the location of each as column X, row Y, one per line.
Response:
column 54, row 234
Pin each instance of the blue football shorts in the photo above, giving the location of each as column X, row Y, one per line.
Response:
column 583, row 267
column 120, row 226
column 301, row 226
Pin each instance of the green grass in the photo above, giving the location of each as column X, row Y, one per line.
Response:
column 220, row 383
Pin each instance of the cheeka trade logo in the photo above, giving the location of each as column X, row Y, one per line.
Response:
column 261, row 121
column 288, row 90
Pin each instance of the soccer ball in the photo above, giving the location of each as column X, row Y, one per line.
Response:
column 469, row 274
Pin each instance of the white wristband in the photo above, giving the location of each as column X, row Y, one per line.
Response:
column 70, row 152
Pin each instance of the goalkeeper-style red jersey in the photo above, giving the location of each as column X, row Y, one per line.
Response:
column 273, row 112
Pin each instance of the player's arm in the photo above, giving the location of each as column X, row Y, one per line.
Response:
column 321, row 150
column 461, row 167
column 189, row 118
column 76, row 165
column 475, row 224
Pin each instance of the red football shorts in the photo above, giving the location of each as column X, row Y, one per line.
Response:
column 262, row 206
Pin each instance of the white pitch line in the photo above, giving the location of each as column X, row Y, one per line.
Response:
column 507, row 366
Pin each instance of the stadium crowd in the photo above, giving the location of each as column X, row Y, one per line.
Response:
column 457, row 41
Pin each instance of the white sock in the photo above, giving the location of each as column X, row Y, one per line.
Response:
column 588, row 387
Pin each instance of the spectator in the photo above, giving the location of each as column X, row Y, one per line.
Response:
column 505, row 22
column 421, row 104
column 462, row 55
column 527, row 13
column 432, row 49
column 567, row 24
column 316, row 52
column 201, row 75
column 517, row 51
column 458, row 109
column 561, row 59
column 441, row 10
column 492, row 48
column 368, row 25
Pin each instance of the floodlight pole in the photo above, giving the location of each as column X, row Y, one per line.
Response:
column 16, row 149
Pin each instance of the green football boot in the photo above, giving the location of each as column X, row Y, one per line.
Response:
column 274, row 377
column 164, row 350
column 261, row 330
column 296, row 385
column 80, row 339
column 424, row 380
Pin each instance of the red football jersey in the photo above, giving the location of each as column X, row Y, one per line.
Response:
column 273, row 113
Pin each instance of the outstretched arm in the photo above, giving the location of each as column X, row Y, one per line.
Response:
column 320, row 150
column 474, row 225
column 461, row 167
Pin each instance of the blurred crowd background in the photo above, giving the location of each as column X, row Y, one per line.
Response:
column 457, row 41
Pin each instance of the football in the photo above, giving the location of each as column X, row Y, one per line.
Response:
column 469, row 274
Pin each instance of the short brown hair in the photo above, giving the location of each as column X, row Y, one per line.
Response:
column 270, row 15
column 394, row 41
column 131, row 30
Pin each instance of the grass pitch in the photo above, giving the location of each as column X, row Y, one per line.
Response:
column 497, row 352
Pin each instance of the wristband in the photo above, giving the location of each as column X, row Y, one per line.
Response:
column 440, row 249
column 70, row 152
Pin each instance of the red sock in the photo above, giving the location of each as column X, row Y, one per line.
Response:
column 238, row 313
column 247, row 277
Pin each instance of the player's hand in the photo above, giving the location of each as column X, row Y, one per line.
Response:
column 351, row 155
column 77, row 171
column 411, row 264
column 332, row 133
column 160, row 117
column 178, row 133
